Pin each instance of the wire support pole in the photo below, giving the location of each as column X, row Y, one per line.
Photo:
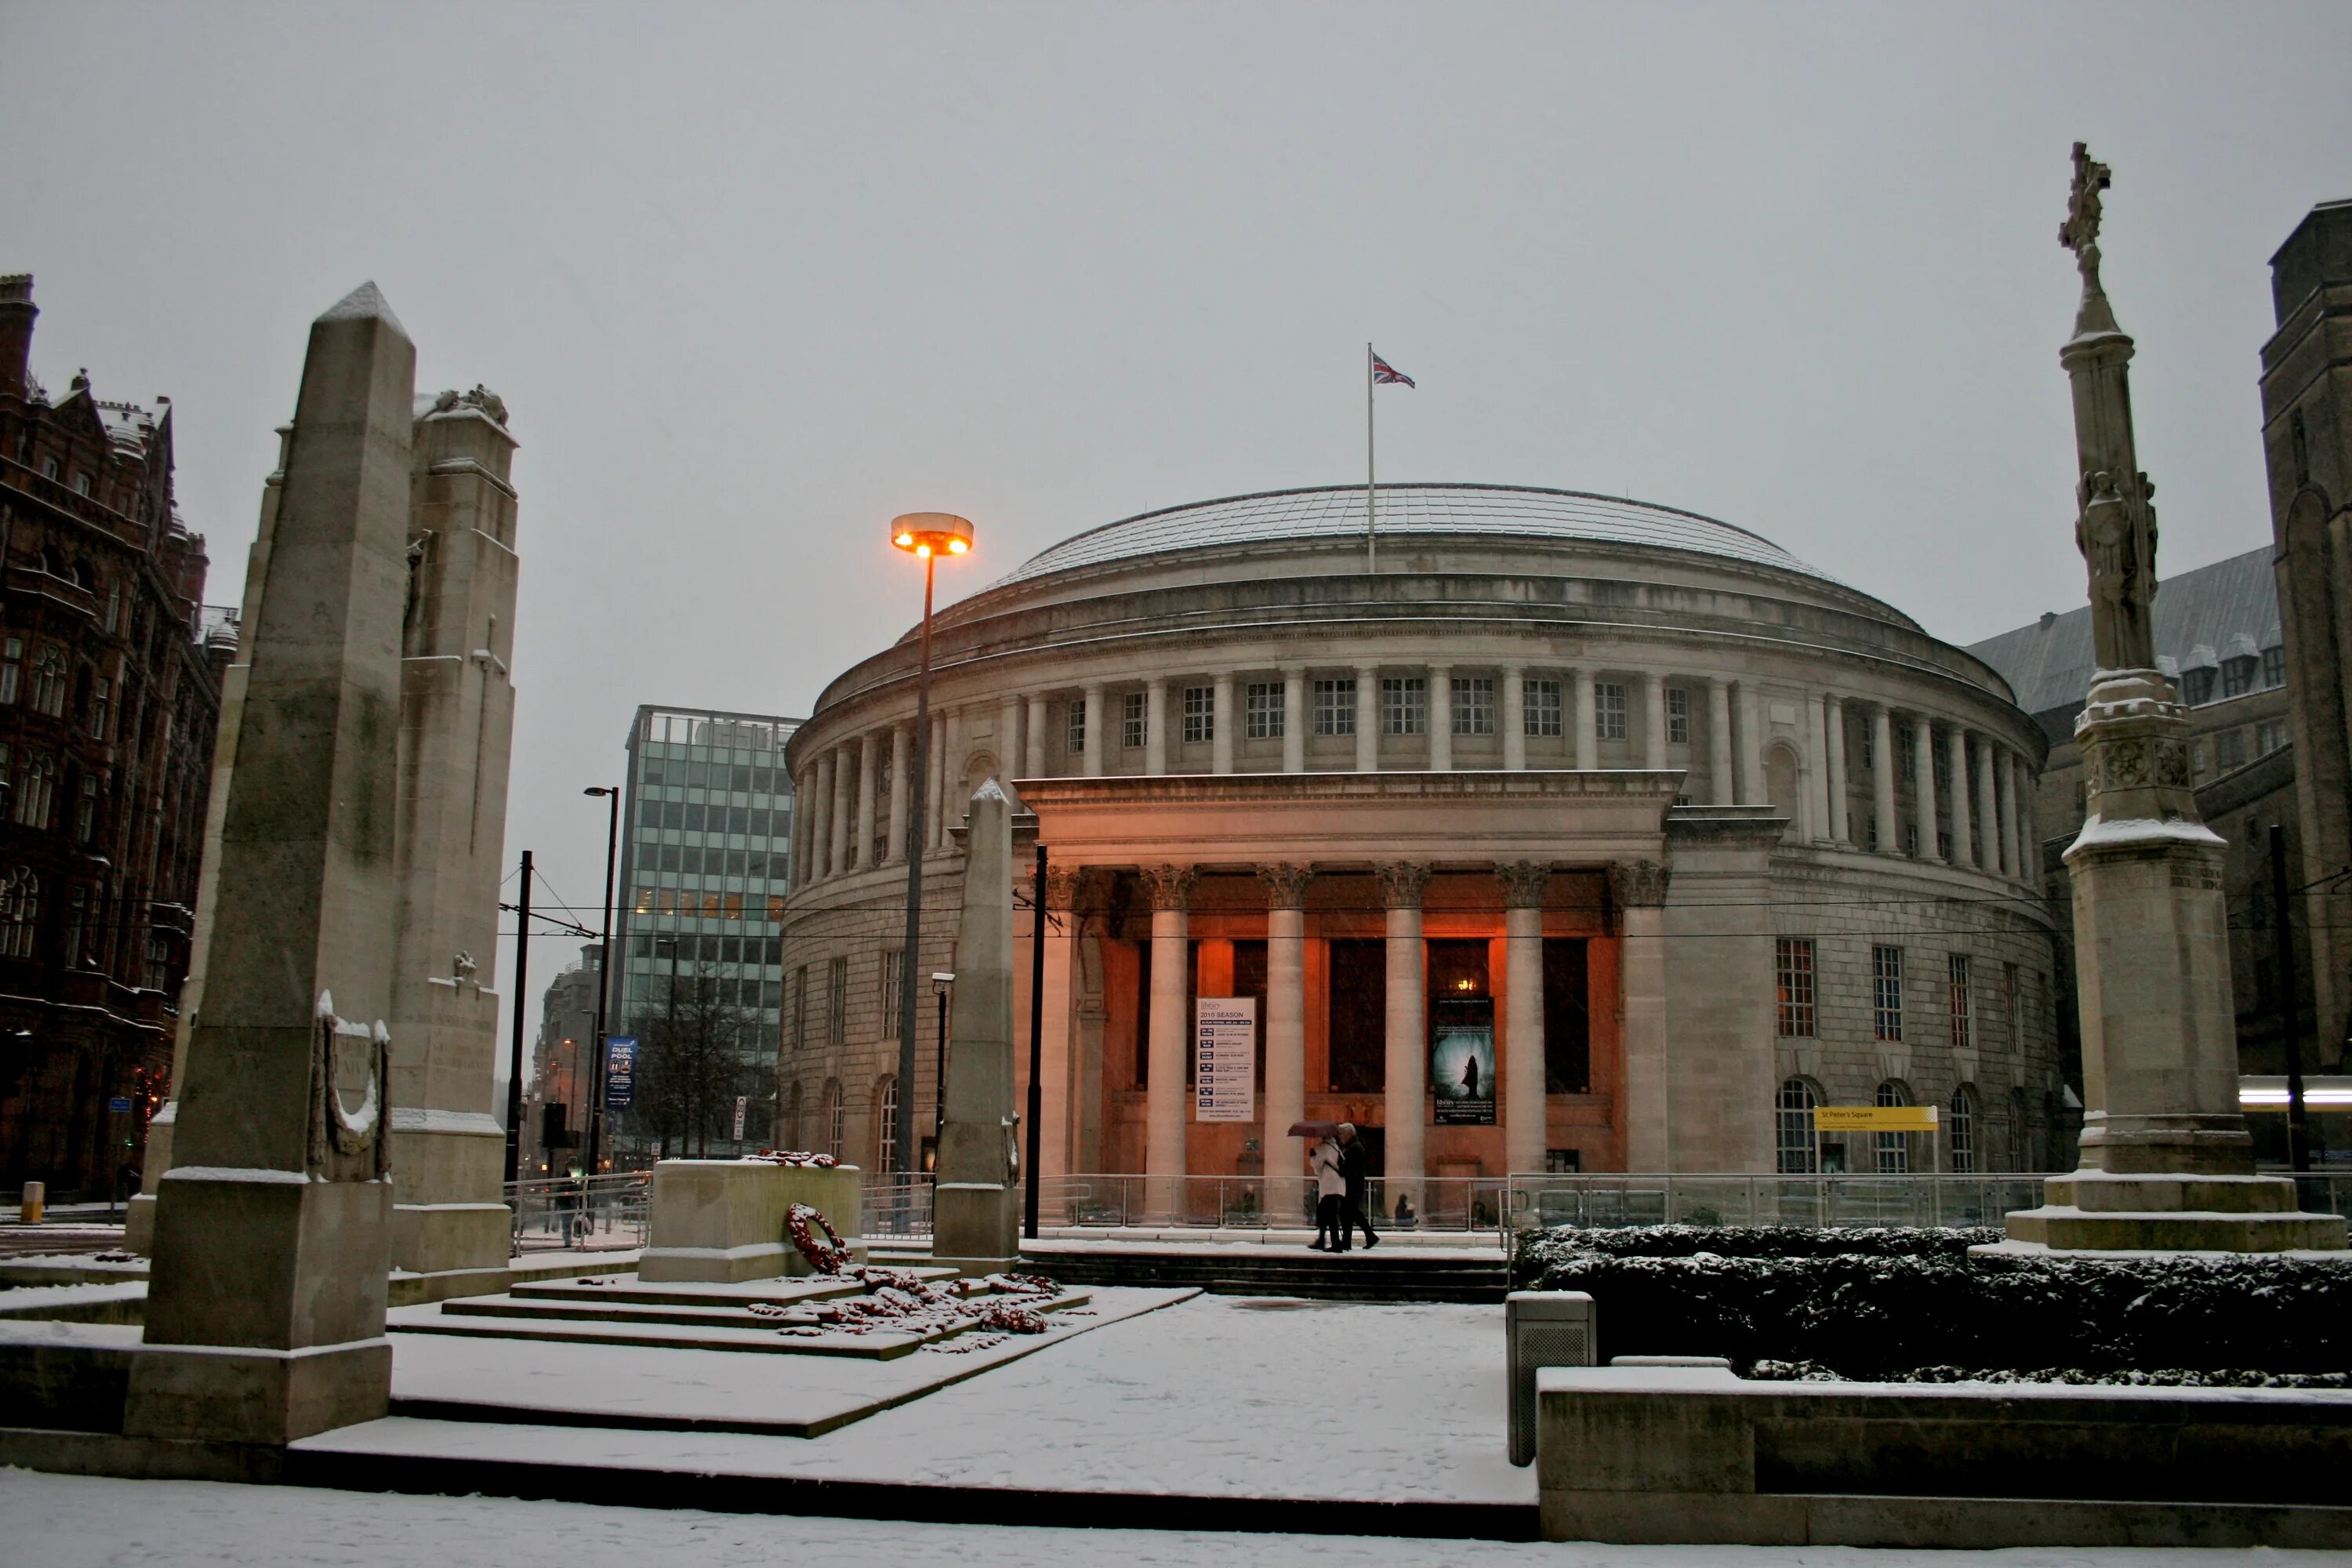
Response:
column 604, row 985
column 918, row 815
column 1371, row 522
column 2290, row 1005
column 1037, row 1107
column 514, row 1049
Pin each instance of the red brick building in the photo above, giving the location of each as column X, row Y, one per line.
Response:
column 110, row 694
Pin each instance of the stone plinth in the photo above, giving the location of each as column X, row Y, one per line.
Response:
column 724, row 1220
column 976, row 1208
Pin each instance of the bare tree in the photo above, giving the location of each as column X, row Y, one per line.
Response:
column 693, row 1066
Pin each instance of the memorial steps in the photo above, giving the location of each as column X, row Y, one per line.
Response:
column 1385, row 1274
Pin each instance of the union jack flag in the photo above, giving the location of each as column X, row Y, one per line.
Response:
column 1386, row 374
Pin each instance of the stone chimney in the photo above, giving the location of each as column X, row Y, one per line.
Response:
column 16, row 313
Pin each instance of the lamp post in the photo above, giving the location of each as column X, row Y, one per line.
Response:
column 603, row 977
column 941, row 983
column 927, row 536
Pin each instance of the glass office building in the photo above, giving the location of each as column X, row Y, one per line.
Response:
column 706, row 842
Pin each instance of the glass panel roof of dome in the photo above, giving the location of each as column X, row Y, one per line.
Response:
column 1418, row 509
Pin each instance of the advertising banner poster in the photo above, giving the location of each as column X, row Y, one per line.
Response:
column 1462, row 1061
column 620, row 1072
column 1224, row 1059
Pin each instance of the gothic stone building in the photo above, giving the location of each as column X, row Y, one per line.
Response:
column 110, row 691
column 1582, row 834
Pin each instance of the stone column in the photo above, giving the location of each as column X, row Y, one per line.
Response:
column 1093, row 754
column 265, row 1311
column 456, row 730
column 1588, row 743
column 1833, row 720
column 1220, row 724
column 1059, row 1041
column 1751, row 746
column 1155, row 726
column 1286, row 1029
column 1368, row 717
column 902, row 745
column 1407, row 1093
column 1988, row 845
column 954, row 751
column 1721, row 768
column 976, row 1224
column 1963, row 848
column 1441, row 718
column 1526, row 1133
column 1169, row 1037
column 2012, row 843
column 1882, row 778
column 846, row 788
column 1637, row 892
column 869, row 759
column 821, row 820
column 1922, row 785
column 935, row 800
column 1294, row 720
column 1654, row 720
column 1008, row 739
column 1512, row 720
column 1036, row 766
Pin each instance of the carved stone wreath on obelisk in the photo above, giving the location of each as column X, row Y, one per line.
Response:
column 2166, row 1161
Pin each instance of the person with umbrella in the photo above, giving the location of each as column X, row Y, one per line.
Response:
column 1355, row 1172
column 1331, row 1231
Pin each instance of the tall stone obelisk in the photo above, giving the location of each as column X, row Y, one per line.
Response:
column 264, row 1308
column 976, row 1217
column 456, row 729
column 2166, row 1158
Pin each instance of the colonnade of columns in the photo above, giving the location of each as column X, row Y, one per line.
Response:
column 854, row 800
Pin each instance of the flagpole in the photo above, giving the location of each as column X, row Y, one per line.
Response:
column 1371, row 528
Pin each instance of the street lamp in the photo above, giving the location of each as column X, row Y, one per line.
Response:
column 926, row 536
column 604, row 974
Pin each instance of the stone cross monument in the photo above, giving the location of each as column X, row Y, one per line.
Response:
column 2166, row 1160
column 976, row 1217
column 272, row 1231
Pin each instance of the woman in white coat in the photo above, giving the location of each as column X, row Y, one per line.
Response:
column 1331, row 1197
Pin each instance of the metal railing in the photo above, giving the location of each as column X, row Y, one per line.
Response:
column 2330, row 1193
column 1812, row 1203
column 898, row 1205
column 588, row 1213
column 1262, row 1203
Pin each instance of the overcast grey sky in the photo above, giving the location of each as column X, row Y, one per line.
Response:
column 754, row 279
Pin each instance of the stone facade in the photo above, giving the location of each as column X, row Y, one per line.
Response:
column 1225, row 728
column 554, row 1107
column 109, row 692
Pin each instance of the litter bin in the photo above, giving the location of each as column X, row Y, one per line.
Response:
column 34, row 1202
column 1542, row 1327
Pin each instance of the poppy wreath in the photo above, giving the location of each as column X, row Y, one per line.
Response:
column 799, row 1159
column 802, row 1223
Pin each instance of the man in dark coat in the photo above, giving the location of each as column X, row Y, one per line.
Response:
column 1353, row 1164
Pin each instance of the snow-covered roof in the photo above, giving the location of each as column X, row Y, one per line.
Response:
column 1336, row 512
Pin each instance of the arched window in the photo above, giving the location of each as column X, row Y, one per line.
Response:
column 1792, row 1123
column 1783, row 786
column 35, row 788
column 49, row 682
column 20, row 907
column 1894, row 1148
column 832, row 1117
column 886, row 1135
column 1960, row 1129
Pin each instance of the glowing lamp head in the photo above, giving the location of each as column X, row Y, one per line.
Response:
column 927, row 533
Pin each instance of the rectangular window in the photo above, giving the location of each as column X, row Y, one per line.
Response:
column 837, row 1001
column 1200, row 714
column 1886, row 993
column 1474, row 705
column 77, row 918
column 1677, row 716
column 894, row 978
column 1075, row 740
column 2196, row 686
column 1911, row 839
column 1134, row 717
column 1907, row 753
column 12, row 659
column 86, row 810
column 101, row 707
column 1963, row 1034
column 2013, row 1001
column 1792, row 966
column 799, row 1007
column 2229, row 748
column 1266, row 720
column 2270, row 736
column 1608, row 710
column 1404, row 705
column 2237, row 677
column 2275, row 666
column 1867, row 748
column 1335, row 707
column 1539, row 705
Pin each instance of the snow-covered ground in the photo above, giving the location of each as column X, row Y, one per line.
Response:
column 74, row 1521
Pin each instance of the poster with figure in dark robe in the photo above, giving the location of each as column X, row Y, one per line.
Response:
column 1462, row 1061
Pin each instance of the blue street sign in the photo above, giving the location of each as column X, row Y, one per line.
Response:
column 118, row 1104
column 620, row 1072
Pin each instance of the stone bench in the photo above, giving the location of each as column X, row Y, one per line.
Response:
column 1695, row 1453
column 724, row 1220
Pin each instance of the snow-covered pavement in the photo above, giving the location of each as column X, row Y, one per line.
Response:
column 74, row 1521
